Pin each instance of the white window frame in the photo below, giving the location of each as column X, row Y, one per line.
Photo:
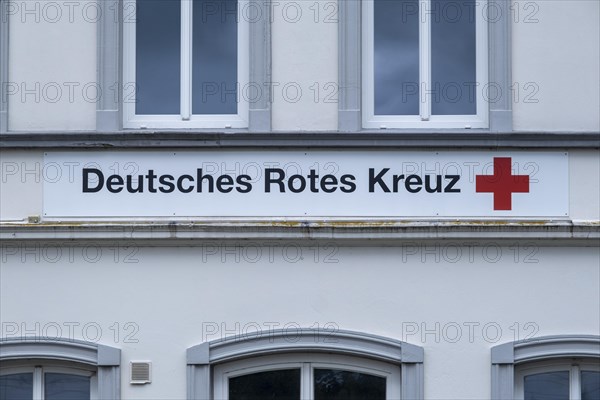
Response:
column 39, row 372
column 512, row 356
column 185, row 120
column 574, row 367
column 306, row 363
column 425, row 119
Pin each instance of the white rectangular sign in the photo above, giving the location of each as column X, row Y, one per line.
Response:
column 312, row 184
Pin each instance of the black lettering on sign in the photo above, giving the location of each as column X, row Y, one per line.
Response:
column 450, row 186
column 269, row 180
column 377, row 180
column 86, row 180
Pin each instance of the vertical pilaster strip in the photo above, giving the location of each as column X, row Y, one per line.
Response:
column 199, row 385
column 260, row 65
column 349, row 65
column 109, row 382
column 4, row 65
column 108, row 70
column 413, row 382
column 500, row 61
column 503, row 382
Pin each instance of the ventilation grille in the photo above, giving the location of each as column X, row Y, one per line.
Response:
column 140, row 372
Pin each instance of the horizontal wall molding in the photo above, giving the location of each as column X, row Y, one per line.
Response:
column 235, row 139
column 586, row 233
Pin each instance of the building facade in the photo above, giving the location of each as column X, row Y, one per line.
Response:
column 243, row 199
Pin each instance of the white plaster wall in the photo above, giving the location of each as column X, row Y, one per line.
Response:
column 21, row 183
column 52, row 65
column 584, row 175
column 304, row 65
column 168, row 293
column 556, row 64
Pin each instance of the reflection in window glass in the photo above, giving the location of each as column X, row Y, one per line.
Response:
column 66, row 387
column 214, row 82
column 277, row 385
column 590, row 385
column 333, row 384
column 396, row 62
column 547, row 386
column 16, row 387
column 157, row 66
column 453, row 58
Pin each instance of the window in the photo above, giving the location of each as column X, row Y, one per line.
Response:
column 50, row 382
column 186, row 63
column 307, row 376
column 305, row 364
column 569, row 380
column 552, row 367
column 364, row 25
column 424, row 64
column 42, row 369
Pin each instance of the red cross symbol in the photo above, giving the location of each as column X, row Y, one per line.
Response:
column 503, row 183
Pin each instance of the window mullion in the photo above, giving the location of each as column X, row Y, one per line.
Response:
column 186, row 58
column 306, row 387
column 575, row 383
column 38, row 384
column 424, row 59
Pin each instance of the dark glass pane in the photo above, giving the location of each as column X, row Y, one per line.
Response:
column 333, row 384
column 547, row 386
column 214, row 74
column 590, row 385
column 66, row 387
column 275, row 385
column 396, row 62
column 157, row 65
column 453, row 58
column 16, row 387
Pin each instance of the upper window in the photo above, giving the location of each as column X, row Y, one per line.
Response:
column 185, row 64
column 424, row 64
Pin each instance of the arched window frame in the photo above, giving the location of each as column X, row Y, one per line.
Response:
column 202, row 358
column 105, row 359
column 507, row 356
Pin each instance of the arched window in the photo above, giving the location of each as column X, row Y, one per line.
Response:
column 553, row 367
column 305, row 364
column 38, row 368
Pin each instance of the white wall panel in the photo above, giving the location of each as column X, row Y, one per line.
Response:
column 52, row 65
column 556, row 69
column 584, row 171
column 21, row 182
column 304, row 65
